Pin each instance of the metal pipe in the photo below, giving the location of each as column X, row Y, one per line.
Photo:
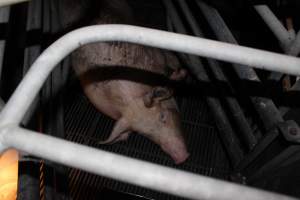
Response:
column 264, row 106
column 294, row 49
column 23, row 96
column 236, row 110
column 152, row 176
column 11, row 2
column 288, row 41
column 275, row 25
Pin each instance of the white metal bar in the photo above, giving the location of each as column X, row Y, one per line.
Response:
column 141, row 173
column 11, row 2
column 288, row 41
column 18, row 104
column 275, row 25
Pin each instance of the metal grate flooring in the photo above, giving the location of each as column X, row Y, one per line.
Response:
column 85, row 125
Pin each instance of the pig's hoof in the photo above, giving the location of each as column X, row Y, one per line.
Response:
column 122, row 137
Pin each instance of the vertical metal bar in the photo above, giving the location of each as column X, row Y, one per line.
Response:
column 4, row 17
column 222, row 122
column 236, row 110
column 265, row 107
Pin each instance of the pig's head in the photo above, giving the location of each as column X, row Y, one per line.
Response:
column 159, row 120
column 156, row 116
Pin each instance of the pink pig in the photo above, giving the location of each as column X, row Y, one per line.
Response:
column 117, row 79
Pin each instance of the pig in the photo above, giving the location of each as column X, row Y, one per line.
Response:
column 105, row 71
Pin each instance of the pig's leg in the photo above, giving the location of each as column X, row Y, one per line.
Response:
column 121, row 127
column 122, row 137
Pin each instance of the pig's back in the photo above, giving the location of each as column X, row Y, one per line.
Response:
column 93, row 64
column 108, row 73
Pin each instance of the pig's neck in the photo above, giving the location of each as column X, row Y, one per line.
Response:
column 133, row 110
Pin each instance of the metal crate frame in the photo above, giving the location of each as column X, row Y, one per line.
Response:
column 152, row 176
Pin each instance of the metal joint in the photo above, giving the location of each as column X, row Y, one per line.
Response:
column 4, row 129
column 290, row 130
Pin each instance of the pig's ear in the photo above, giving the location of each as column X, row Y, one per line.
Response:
column 178, row 74
column 120, row 132
column 155, row 95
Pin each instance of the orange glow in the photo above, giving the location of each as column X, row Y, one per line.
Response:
column 8, row 175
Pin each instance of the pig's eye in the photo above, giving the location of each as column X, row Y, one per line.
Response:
column 163, row 117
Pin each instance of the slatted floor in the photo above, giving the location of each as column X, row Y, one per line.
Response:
column 85, row 125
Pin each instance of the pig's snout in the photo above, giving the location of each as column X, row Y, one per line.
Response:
column 176, row 149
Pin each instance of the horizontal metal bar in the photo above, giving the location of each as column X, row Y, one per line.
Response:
column 11, row 2
column 281, row 33
column 18, row 104
column 125, row 169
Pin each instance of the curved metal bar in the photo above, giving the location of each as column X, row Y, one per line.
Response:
column 23, row 96
column 152, row 176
